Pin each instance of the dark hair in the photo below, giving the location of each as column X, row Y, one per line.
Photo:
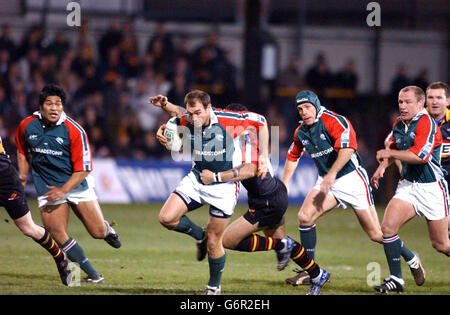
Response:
column 237, row 107
column 197, row 95
column 52, row 90
column 439, row 85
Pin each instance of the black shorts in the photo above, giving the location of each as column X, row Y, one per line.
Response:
column 12, row 194
column 268, row 211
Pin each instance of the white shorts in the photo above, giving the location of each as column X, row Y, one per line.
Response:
column 71, row 197
column 428, row 199
column 353, row 189
column 222, row 196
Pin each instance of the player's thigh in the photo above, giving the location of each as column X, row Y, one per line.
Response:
column 90, row 213
column 315, row 204
column 238, row 230
column 438, row 231
column 368, row 218
column 397, row 213
column 55, row 219
column 172, row 211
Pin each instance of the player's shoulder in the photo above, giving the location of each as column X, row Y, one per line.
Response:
column 26, row 122
column 238, row 115
column 330, row 117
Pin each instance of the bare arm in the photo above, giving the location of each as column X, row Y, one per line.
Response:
column 57, row 193
column 241, row 172
column 402, row 155
column 171, row 109
column 24, row 167
column 289, row 169
column 379, row 173
column 343, row 157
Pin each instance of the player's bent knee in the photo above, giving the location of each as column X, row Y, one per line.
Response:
column 441, row 247
column 167, row 221
column 305, row 218
column 98, row 232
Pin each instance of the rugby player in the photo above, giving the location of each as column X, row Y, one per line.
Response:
column 330, row 140
column 437, row 101
column 12, row 198
column 422, row 190
column 60, row 158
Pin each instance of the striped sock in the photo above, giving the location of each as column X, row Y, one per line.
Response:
column 76, row 254
column 255, row 243
column 392, row 248
column 301, row 258
column 50, row 245
column 308, row 239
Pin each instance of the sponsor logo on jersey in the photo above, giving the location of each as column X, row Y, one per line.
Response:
column 322, row 153
column 47, row 151
column 59, row 140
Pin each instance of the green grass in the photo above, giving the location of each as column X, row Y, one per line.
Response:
column 154, row 260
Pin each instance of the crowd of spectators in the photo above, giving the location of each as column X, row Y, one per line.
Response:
column 108, row 83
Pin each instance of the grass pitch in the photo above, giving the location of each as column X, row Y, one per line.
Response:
column 154, row 260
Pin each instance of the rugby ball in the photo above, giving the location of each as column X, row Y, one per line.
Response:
column 173, row 137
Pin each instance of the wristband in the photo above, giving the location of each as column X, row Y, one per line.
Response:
column 217, row 177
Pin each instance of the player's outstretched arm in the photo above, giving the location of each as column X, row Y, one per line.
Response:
column 239, row 173
column 171, row 109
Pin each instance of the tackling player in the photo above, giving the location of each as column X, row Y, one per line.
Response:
column 61, row 163
column 268, row 201
column 12, row 198
column 422, row 190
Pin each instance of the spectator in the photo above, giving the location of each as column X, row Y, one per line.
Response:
column 60, row 45
column 318, row 76
column 347, row 78
column 291, row 76
column 422, row 79
column 6, row 41
column 400, row 80
column 111, row 38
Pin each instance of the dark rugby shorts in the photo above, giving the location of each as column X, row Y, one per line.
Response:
column 268, row 211
column 12, row 194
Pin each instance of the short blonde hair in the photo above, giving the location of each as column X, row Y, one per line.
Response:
column 420, row 94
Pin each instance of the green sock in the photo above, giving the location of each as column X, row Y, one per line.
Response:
column 406, row 253
column 392, row 248
column 216, row 267
column 308, row 239
column 186, row 226
column 77, row 255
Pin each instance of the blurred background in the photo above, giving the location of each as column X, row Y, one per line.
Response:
column 257, row 52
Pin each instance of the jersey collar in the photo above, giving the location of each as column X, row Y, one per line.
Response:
column 60, row 120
